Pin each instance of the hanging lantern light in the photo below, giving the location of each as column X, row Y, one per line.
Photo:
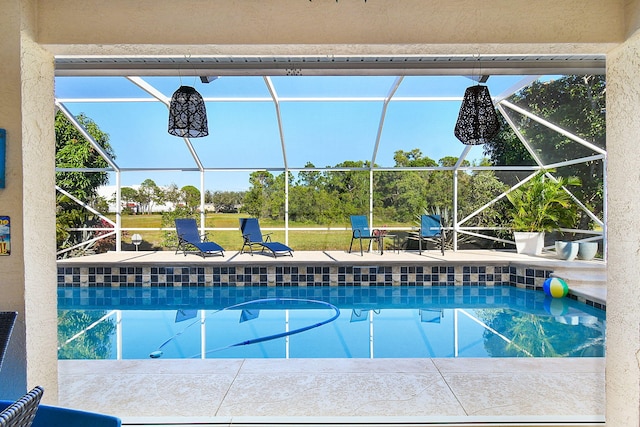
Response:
column 187, row 114
column 477, row 121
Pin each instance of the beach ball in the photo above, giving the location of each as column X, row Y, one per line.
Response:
column 555, row 287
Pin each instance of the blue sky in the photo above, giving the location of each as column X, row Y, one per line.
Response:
column 244, row 134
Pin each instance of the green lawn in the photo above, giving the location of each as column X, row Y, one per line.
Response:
column 232, row 240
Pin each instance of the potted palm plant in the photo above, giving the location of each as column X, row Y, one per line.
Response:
column 538, row 206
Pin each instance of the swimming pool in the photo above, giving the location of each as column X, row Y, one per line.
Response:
column 324, row 322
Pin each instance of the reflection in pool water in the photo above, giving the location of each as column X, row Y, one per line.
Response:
column 250, row 310
column 380, row 322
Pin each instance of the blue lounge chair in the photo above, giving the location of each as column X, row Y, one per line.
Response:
column 430, row 231
column 360, row 230
column 252, row 236
column 188, row 236
column 22, row 412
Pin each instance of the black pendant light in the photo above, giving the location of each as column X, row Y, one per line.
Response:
column 477, row 121
column 187, row 114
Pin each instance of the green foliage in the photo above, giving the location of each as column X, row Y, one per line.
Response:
column 413, row 158
column 505, row 149
column 129, row 195
column 74, row 151
column 400, row 194
column 542, row 204
column 225, row 201
column 191, row 197
column 149, row 194
column 173, row 194
column 262, row 185
column 331, row 197
column 574, row 103
column 349, row 188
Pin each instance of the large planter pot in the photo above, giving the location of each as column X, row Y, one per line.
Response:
column 567, row 250
column 529, row 243
column 587, row 250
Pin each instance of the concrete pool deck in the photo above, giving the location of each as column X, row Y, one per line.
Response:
column 283, row 391
column 454, row 391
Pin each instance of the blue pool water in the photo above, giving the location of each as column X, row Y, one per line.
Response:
column 324, row 322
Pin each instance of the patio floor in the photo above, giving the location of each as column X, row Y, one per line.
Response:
column 343, row 391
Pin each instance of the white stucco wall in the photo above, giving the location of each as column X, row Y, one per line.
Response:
column 27, row 282
column 623, row 290
column 12, row 380
column 329, row 27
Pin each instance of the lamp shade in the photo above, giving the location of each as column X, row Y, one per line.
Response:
column 187, row 114
column 477, row 121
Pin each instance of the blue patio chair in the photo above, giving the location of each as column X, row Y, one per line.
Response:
column 252, row 236
column 22, row 412
column 7, row 319
column 430, row 231
column 360, row 230
column 188, row 236
column 55, row 416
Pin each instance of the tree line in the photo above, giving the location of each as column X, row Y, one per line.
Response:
column 331, row 196
column 398, row 196
column 149, row 194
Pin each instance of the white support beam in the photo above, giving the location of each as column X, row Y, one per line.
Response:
column 383, row 114
column 283, row 145
column 556, row 128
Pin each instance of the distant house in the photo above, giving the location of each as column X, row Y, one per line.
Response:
column 108, row 192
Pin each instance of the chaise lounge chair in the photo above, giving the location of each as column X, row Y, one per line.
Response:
column 430, row 231
column 188, row 236
column 360, row 230
column 252, row 236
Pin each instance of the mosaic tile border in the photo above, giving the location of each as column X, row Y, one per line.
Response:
column 357, row 297
column 318, row 275
column 587, row 301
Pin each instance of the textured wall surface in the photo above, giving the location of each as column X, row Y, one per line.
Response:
column 12, row 378
column 214, row 24
column 623, row 293
column 27, row 276
column 38, row 216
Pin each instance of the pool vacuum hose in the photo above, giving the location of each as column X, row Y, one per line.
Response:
column 158, row 353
